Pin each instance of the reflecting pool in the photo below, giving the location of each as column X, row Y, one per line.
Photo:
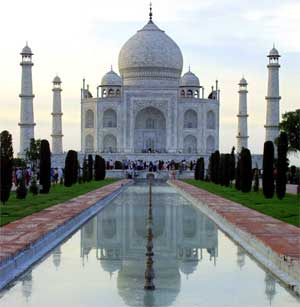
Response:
column 103, row 263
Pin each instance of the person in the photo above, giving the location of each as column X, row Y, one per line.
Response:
column 19, row 175
column 173, row 172
column 28, row 174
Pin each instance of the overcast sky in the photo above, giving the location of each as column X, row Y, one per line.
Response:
column 221, row 39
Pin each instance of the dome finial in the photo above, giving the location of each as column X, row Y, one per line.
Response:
column 150, row 13
column 189, row 68
column 111, row 68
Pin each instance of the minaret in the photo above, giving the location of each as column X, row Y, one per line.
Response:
column 26, row 117
column 56, row 135
column 242, row 133
column 273, row 98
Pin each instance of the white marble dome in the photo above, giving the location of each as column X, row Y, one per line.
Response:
column 150, row 53
column 111, row 79
column 189, row 79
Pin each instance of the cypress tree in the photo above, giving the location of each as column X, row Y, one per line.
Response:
column 226, row 170
column 221, row 170
column 246, row 170
column 216, row 166
column 102, row 168
column 90, row 168
column 69, row 168
column 268, row 175
column 45, row 167
column 210, row 167
column 232, row 165
column 197, row 170
column 238, row 174
column 74, row 167
column 201, row 168
column 85, row 170
column 282, row 165
column 97, row 171
column 6, row 164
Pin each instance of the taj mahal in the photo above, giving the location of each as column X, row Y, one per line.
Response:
column 151, row 109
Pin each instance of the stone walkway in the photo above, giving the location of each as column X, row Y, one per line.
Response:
column 282, row 238
column 18, row 235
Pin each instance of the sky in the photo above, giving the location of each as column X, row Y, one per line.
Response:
column 220, row 39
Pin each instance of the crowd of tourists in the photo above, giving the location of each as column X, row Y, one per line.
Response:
column 151, row 166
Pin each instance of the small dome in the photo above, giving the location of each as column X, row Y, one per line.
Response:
column 111, row 79
column 243, row 81
column 274, row 52
column 26, row 50
column 189, row 79
column 57, row 80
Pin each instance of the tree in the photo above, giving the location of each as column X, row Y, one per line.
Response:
column 75, row 167
column 45, row 167
column 102, row 168
column 268, row 172
column 232, row 165
column 290, row 124
column 202, row 167
column 85, row 170
column 226, row 169
column 6, row 164
column 97, row 168
column 238, row 174
column 197, row 170
column 221, row 169
column 33, row 152
column 282, row 165
column 70, row 163
column 90, row 167
column 246, row 170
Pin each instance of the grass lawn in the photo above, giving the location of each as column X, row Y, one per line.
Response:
column 15, row 208
column 287, row 209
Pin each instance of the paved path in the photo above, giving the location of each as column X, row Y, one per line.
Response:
column 17, row 235
column 282, row 238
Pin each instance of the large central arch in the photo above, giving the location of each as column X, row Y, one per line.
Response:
column 150, row 130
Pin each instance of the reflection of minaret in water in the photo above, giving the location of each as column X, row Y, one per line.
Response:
column 270, row 289
column 56, row 257
column 240, row 257
column 27, row 285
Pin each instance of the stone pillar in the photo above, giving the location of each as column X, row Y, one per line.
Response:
column 242, row 133
column 273, row 98
column 57, row 135
column 26, row 115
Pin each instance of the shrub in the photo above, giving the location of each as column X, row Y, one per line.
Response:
column 201, row 171
column 102, row 168
column 282, row 165
column 268, row 175
column 226, row 170
column 21, row 190
column 97, row 169
column 45, row 166
column 85, row 170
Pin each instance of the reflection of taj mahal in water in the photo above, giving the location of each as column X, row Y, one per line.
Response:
column 181, row 234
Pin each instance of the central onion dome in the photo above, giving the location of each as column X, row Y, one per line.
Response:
column 150, row 55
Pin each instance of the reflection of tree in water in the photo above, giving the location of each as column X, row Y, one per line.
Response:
column 56, row 256
column 241, row 255
column 27, row 284
column 270, row 289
